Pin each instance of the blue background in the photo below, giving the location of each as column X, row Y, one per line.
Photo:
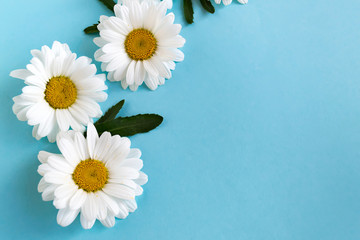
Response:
column 261, row 134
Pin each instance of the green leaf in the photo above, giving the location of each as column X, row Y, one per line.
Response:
column 207, row 5
column 188, row 11
column 91, row 29
column 128, row 126
column 109, row 4
column 111, row 112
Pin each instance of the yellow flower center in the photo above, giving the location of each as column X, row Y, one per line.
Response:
column 140, row 44
column 60, row 92
column 90, row 175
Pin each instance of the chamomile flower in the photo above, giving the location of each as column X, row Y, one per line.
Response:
column 97, row 177
column 63, row 91
column 140, row 43
column 227, row 2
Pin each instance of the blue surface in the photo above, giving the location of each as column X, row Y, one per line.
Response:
column 261, row 134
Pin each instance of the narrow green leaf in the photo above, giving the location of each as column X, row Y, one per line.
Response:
column 111, row 112
column 128, row 126
column 91, row 29
column 109, row 4
column 207, row 5
column 188, row 11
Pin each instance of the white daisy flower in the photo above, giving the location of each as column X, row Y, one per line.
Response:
column 62, row 91
column 227, row 2
column 97, row 177
column 140, row 43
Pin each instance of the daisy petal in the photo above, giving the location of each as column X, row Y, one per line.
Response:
column 109, row 221
column 139, row 73
column 151, row 82
column 43, row 156
column 124, row 212
column 81, row 146
column 66, row 216
column 60, row 164
column 142, row 179
column 134, row 163
column 92, row 138
column 65, row 191
column 102, row 145
column 134, row 153
column 110, row 203
column 130, row 74
column 67, row 148
column 119, row 191
column 21, row 74
column 131, row 205
column 56, row 177
column 48, row 193
column 89, row 208
column 85, row 222
column 78, row 199
column 123, row 173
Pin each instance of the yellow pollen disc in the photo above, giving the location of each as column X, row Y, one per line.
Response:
column 90, row 175
column 60, row 92
column 140, row 44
